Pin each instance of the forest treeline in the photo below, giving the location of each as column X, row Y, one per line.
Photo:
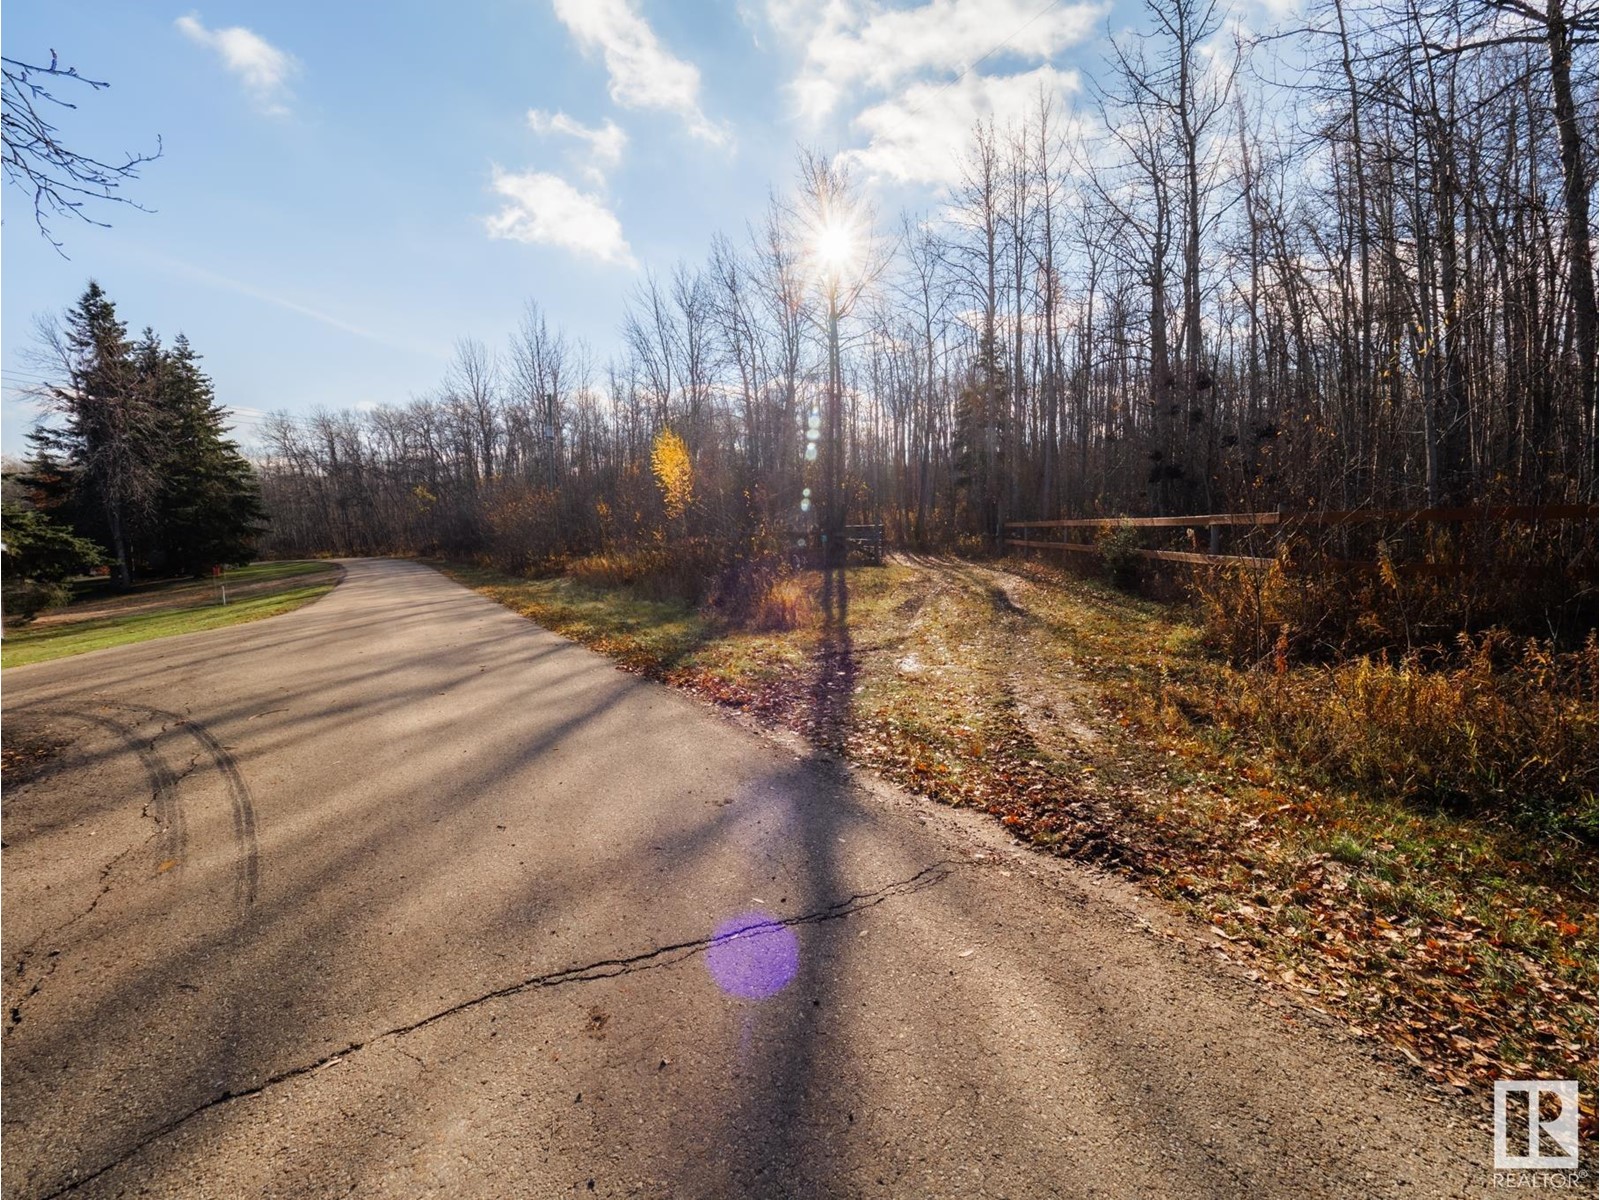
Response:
column 1347, row 265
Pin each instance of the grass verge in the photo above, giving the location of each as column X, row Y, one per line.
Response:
column 96, row 597
column 1097, row 724
column 155, row 612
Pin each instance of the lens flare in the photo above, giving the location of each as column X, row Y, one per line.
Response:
column 836, row 247
column 753, row 956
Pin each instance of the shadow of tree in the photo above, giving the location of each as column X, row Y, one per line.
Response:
column 833, row 680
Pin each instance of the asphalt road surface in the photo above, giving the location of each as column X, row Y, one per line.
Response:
column 401, row 895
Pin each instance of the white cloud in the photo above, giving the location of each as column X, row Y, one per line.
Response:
column 604, row 143
column 855, row 44
column 548, row 210
column 919, row 135
column 644, row 74
column 260, row 66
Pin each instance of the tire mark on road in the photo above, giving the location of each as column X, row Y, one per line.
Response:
column 241, row 801
column 246, row 859
column 163, row 780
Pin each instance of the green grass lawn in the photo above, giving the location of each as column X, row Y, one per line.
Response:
column 262, row 571
column 98, row 591
column 169, row 607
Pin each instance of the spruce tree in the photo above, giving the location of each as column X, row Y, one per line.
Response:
column 207, row 508
column 140, row 463
column 99, row 456
column 39, row 556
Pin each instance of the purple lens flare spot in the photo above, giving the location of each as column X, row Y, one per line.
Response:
column 753, row 956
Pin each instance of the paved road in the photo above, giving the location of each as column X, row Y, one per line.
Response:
column 401, row 895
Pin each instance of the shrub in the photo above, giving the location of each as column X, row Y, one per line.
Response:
column 785, row 604
column 521, row 522
column 759, row 591
column 972, row 545
column 1421, row 591
column 1241, row 609
column 1118, row 546
column 39, row 556
column 685, row 569
column 24, row 599
column 1507, row 728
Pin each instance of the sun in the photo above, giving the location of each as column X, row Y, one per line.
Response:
column 835, row 248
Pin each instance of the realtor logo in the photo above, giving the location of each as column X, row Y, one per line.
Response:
column 1559, row 1132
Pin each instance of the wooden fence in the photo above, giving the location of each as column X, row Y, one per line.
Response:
column 865, row 541
column 1281, row 522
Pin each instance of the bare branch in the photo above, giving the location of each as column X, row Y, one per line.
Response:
column 61, row 181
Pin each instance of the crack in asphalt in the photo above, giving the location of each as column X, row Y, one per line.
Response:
column 53, row 958
column 606, row 968
column 168, row 818
column 163, row 807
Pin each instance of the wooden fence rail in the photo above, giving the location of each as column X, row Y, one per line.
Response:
column 1357, row 516
column 1280, row 520
column 864, row 541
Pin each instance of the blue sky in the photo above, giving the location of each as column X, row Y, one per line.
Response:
column 347, row 188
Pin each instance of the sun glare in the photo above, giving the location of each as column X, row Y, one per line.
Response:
column 835, row 248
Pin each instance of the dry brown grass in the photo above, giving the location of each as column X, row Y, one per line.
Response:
column 1505, row 729
column 1285, row 809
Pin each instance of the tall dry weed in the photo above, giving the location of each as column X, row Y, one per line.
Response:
column 1506, row 728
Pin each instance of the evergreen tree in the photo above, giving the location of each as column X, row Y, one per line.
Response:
column 207, row 507
column 140, row 463
column 99, row 457
column 40, row 556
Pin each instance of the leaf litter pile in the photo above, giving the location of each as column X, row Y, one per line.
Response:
column 27, row 750
column 1075, row 714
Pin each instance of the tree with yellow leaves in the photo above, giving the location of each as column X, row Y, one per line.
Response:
column 669, row 461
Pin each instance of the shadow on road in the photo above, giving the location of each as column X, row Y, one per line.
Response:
column 402, row 890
